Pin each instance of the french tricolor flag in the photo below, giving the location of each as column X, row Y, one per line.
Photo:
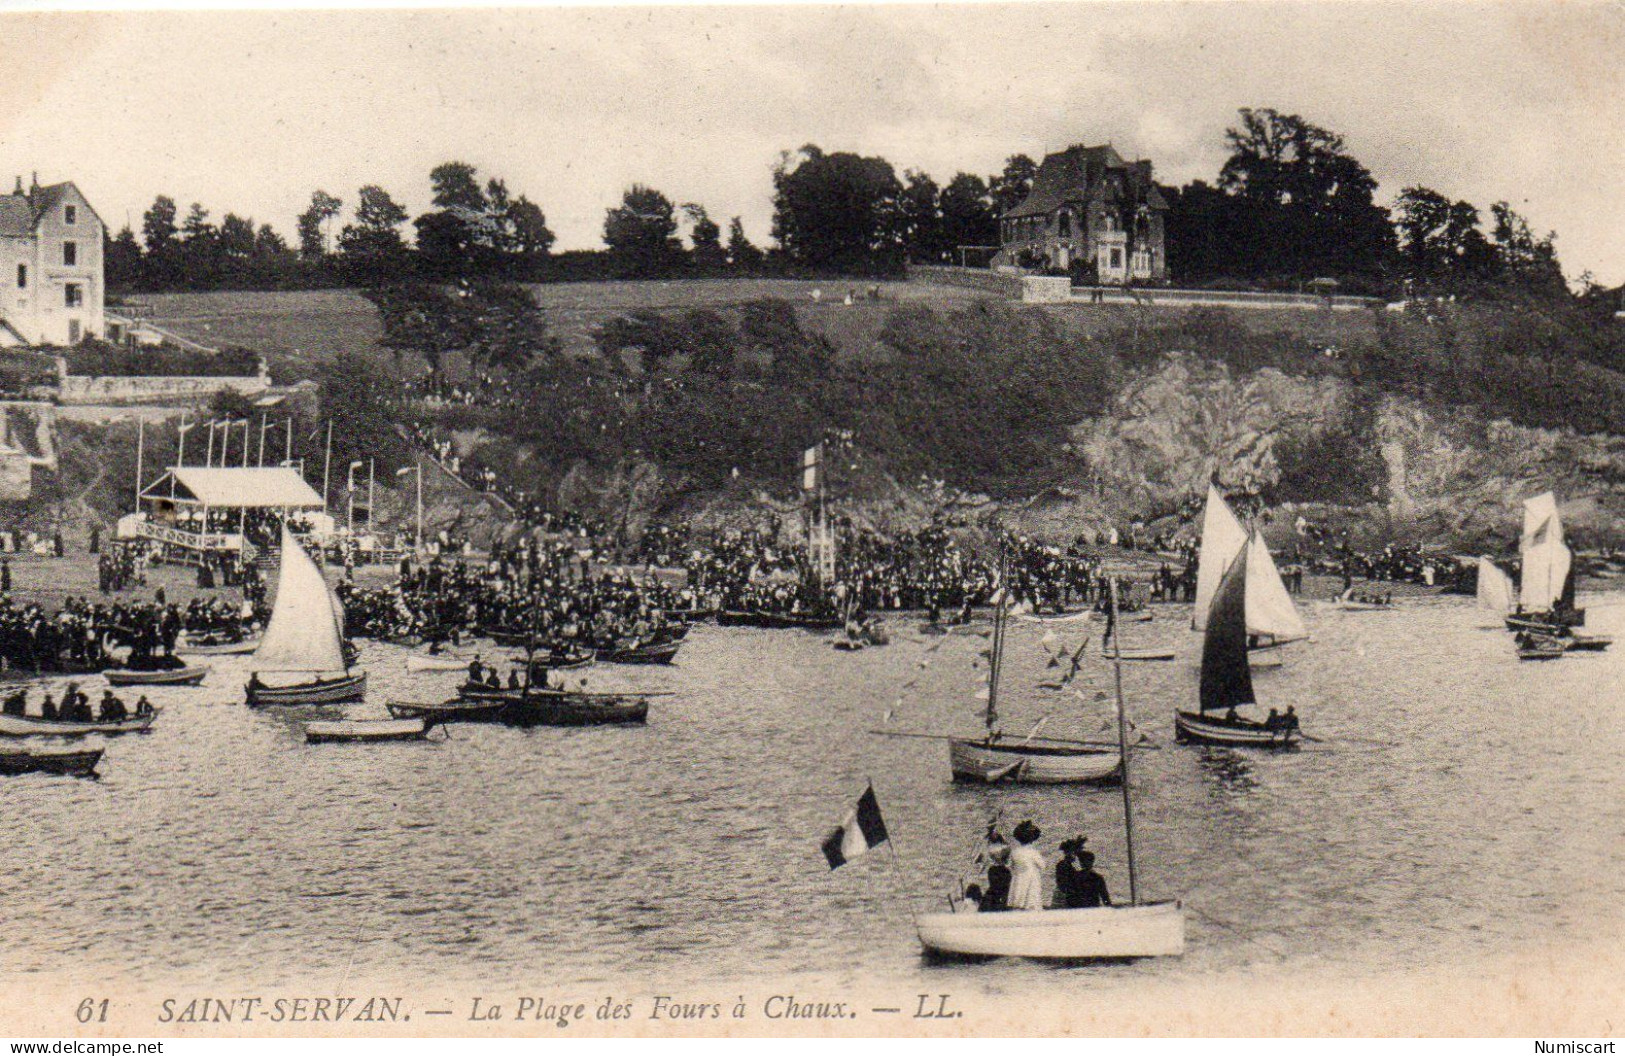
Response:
column 863, row 830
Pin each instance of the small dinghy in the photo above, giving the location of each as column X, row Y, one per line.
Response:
column 1540, row 647
column 72, row 763
column 462, row 709
column 218, row 647
column 417, row 664
column 1587, row 643
column 361, row 730
column 33, row 726
column 1155, row 929
column 178, row 676
column 644, row 653
column 1144, row 652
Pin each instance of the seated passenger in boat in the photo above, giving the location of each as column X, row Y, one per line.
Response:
column 113, row 709
column 513, row 679
column 1091, row 891
column 476, row 672
column 143, row 707
column 47, row 708
column 1067, row 875
column 997, row 896
column 1289, row 721
column 492, row 679
column 1273, row 722
column 1027, row 869
column 17, row 703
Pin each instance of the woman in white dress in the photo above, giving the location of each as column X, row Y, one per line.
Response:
column 1027, row 865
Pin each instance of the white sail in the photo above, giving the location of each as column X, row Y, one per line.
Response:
column 1540, row 514
column 1545, row 567
column 303, row 634
column 1270, row 611
column 1494, row 587
column 1222, row 539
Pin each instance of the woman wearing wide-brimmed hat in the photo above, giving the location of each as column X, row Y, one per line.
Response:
column 1027, row 865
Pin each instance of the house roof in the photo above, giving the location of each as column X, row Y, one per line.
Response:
column 1077, row 175
column 21, row 213
column 249, row 488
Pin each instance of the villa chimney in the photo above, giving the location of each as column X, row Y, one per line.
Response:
column 19, row 189
column 33, row 187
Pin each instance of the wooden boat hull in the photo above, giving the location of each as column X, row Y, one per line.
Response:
column 569, row 709
column 247, row 645
column 1545, row 622
column 459, row 710
column 1107, row 932
column 1194, row 728
column 321, row 691
column 30, row 726
column 656, row 653
column 365, row 731
column 1142, row 653
column 416, row 664
column 71, row 764
column 984, row 762
column 1587, row 643
column 180, row 676
column 778, row 621
column 1361, row 606
column 1552, row 652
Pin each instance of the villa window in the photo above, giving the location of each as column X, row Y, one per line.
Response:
column 70, row 214
column 22, row 276
column 1065, row 223
column 1117, row 258
column 73, row 295
column 70, row 253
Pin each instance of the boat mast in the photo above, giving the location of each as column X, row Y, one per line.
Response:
column 1122, row 745
column 996, row 658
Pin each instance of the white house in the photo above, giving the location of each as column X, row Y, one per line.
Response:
column 51, row 279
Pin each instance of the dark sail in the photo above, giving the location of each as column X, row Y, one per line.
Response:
column 1227, row 681
column 1565, row 600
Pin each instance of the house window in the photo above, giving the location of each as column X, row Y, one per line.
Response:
column 22, row 276
column 1066, row 222
column 70, row 214
column 73, row 295
column 70, row 253
column 1117, row 258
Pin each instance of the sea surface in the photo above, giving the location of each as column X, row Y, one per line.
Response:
column 1457, row 805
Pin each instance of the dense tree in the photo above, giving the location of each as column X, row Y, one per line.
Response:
column 837, row 212
column 705, row 239
column 123, row 257
column 741, row 253
column 1440, row 241
column 314, row 222
column 968, row 218
column 1525, row 260
column 236, row 237
column 456, row 184
column 641, row 234
column 158, row 227
column 1011, row 186
column 373, row 240
column 920, row 218
column 532, row 240
column 269, row 245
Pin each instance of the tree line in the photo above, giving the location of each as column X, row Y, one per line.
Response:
column 1290, row 204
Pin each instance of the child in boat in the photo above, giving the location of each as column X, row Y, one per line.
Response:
column 997, row 896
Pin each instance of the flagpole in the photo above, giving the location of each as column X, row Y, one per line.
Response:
column 140, row 446
column 263, row 420
column 287, row 450
column 1122, row 746
column 327, row 464
column 891, row 845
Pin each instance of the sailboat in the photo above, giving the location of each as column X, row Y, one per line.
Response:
column 303, row 637
column 1112, row 646
column 1495, row 591
column 1227, row 681
column 1272, row 619
column 1546, row 583
column 1139, row 929
column 1033, row 760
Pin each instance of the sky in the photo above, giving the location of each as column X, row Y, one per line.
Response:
column 250, row 111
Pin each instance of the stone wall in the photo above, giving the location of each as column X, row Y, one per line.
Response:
column 138, row 390
column 1002, row 284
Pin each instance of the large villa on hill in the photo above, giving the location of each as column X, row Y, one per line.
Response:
column 1089, row 210
column 51, row 284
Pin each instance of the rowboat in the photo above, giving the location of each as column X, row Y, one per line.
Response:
column 560, row 661
column 987, row 761
column 219, row 648
column 179, row 676
column 533, row 708
column 305, row 636
column 461, row 709
column 1361, row 606
column 1541, row 647
column 1587, row 643
column 74, row 763
column 1144, row 652
column 1227, row 684
column 777, row 620
column 32, row 726
column 648, row 653
column 1154, row 929
column 365, row 730
column 990, row 758
column 417, row 664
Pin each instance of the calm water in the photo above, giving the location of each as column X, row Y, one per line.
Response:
column 1465, row 805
